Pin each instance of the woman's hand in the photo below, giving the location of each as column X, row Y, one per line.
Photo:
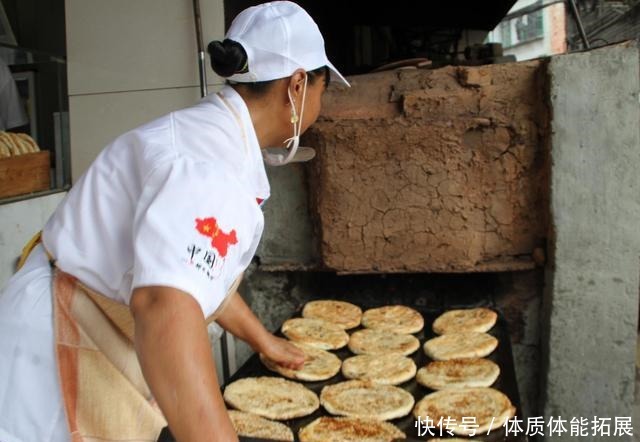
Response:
column 282, row 352
column 238, row 319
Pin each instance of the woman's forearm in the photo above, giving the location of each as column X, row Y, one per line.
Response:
column 175, row 355
column 238, row 319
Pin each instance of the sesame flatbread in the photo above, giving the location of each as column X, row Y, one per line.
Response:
column 458, row 373
column 318, row 365
column 349, row 429
column 388, row 369
column 486, row 407
column 345, row 314
column 373, row 341
column 479, row 320
column 316, row 333
column 395, row 318
column 252, row 425
column 271, row 397
column 460, row 346
column 364, row 399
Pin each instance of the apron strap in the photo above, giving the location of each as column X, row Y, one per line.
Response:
column 26, row 250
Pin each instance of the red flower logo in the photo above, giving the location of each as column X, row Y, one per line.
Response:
column 219, row 240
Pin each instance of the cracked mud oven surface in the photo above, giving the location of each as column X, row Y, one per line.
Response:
column 433, row 170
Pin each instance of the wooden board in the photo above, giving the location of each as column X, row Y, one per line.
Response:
column 24, row 174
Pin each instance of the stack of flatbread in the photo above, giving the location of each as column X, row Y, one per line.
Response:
column 13, row 144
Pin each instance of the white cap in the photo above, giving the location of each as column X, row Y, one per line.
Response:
column 279, row 37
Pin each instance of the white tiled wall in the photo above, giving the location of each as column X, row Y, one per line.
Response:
column 129, row 62
column 124, row 45
column 96, row 119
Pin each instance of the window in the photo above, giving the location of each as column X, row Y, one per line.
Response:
column 523, row 28
column 529, row 26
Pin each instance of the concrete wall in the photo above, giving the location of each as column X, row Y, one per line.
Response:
column 288, row 239
column 130, row 62
column 591, row 300
column 20, row 221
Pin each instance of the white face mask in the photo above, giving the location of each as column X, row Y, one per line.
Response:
column 279, row 156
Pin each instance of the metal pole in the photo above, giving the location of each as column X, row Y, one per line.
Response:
column 224, row 350
column 576, row 17
column 201, row 58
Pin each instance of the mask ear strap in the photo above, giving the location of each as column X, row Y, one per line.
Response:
column 294, row 115
column 304, row 94
column 295, row 140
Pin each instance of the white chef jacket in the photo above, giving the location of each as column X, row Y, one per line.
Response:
column 138, row 216
column 175, row 203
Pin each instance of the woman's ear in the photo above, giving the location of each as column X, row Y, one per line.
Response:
column 296, row 84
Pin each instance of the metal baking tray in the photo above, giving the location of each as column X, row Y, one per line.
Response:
column 503, row 356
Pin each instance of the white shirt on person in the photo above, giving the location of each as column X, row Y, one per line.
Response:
column 172, row 203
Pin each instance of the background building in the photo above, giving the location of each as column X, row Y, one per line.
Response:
column 532, row 29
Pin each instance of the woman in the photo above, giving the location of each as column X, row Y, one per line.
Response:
column 149, row 244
